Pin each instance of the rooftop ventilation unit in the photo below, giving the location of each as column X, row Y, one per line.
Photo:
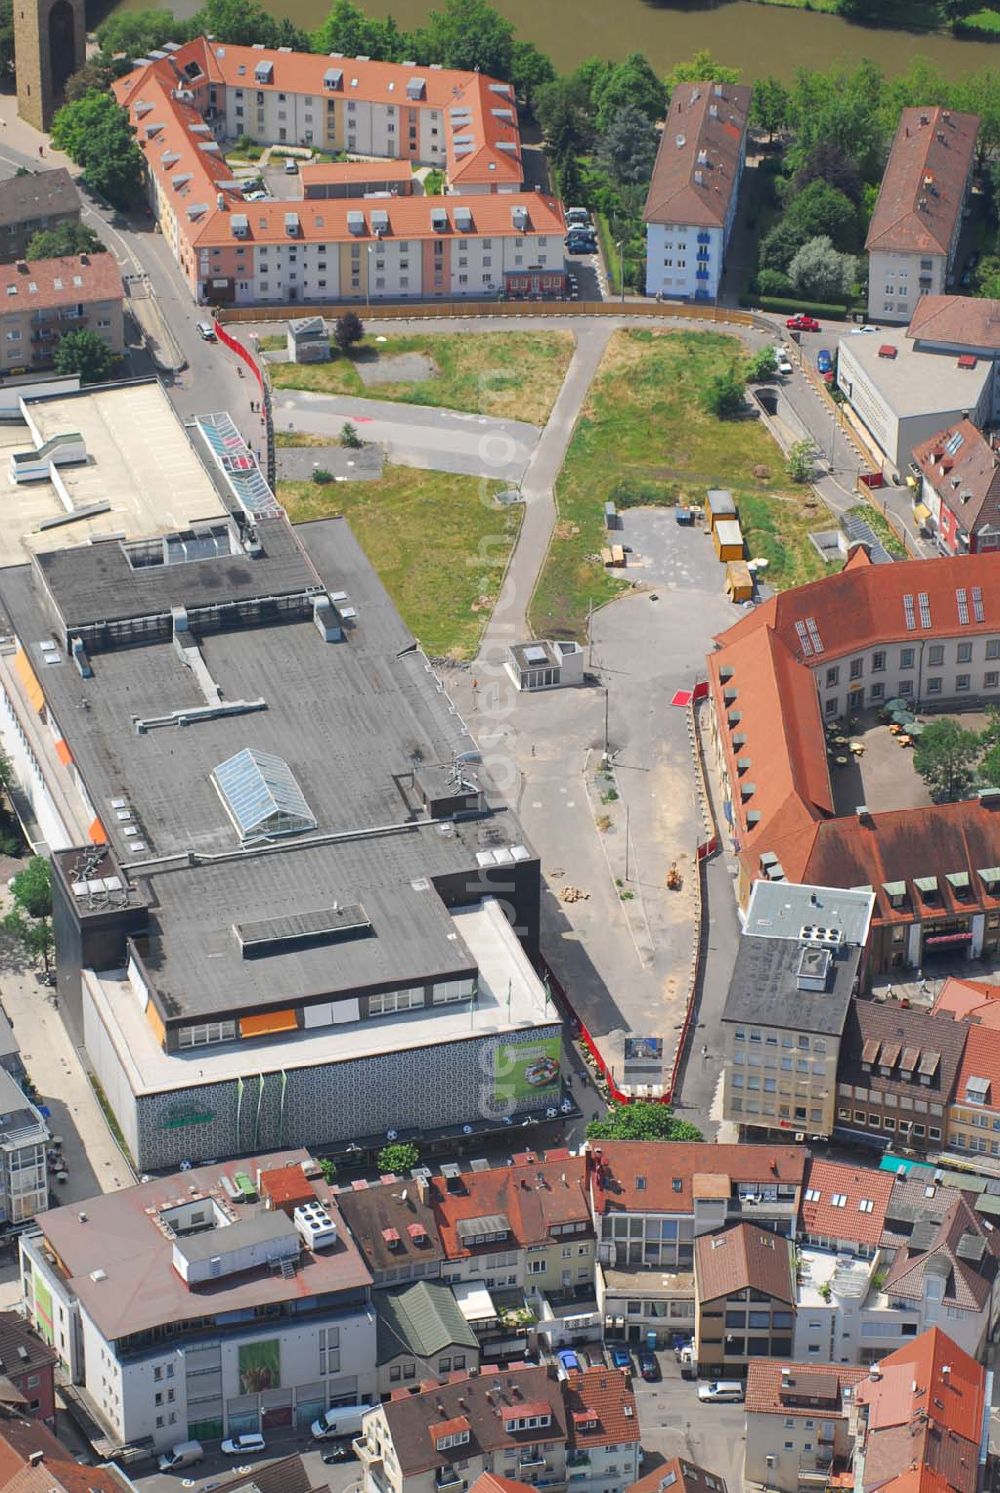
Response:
column 829, row 938
column 315, row 1225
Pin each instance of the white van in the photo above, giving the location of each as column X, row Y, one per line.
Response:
column 342, row 1420
column 721, row 1389
column 184, row 1454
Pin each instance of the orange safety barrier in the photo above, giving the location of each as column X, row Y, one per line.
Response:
column 64, row 754
column 97, row 834
column 29, row 679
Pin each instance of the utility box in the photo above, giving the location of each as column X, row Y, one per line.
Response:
column 307, row 340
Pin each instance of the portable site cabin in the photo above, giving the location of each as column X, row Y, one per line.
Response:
column 727, row 536
column 739, row 581
column 721, row 506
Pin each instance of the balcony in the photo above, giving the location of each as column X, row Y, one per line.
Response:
column 704, row 238
column 578, row 1459
column 531, row 1459
column 448, row 1477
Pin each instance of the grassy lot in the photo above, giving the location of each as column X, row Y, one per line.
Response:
column 439, row 543
column 642, row 432
column 511, row 375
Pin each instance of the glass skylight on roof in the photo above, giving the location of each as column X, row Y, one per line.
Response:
column 953, row 442
column 261, row 795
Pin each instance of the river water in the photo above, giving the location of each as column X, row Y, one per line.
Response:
column 757, row 38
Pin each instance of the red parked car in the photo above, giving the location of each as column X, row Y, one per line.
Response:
column 802, row 323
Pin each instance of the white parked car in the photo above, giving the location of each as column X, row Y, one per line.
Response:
column 784, row 362
column 856, row 331
column 250, row 1444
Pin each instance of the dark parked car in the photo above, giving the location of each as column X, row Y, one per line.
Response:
column 648, row 1367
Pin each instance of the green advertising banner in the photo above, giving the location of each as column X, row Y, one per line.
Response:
column 43, row 1308
column 527, row 1070
column 260, row 1366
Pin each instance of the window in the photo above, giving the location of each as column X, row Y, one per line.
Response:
column 991, row 679
column 993, row 647
column 205, row 1033
column 965, row 653
column 878, row 691
column 395, row 1000
column 906, row 656
column 878, row 661
column 935, row 655
column 831, row 705
column 857, row 667
column 934, row 685
column 832, row 676
column 962, row 681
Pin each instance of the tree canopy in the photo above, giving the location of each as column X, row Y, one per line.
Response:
column 702, row 68
column 469, row 34
column 136, row 33
column 820, row 272
column 945, row 756
column 642, row 1121
column 63, row 240
column 85, row 353
column 95, row 133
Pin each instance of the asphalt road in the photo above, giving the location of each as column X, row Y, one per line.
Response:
column 415, row 436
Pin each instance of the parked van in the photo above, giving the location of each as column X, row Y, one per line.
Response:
column 342, row 1420
column 184, row 1454
column 721, row 1389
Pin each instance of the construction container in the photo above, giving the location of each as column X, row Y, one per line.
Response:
column 727, row 536
column 739, row 581
column 721, row 505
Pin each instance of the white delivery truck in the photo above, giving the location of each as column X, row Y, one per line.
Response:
column 184, row 1454
column 342, row 1420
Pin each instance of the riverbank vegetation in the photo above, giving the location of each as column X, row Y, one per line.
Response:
column 440, row 543
column 646, row 435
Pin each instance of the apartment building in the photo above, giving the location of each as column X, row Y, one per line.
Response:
column 897, row 1075
column 694, row 190
column 797, row 966
column 927, row 1405
column 650, row 1202
column 43, row 300
column 604, row 1450
column 27, row 1370
column 800, row 1423
column 973, row 1117
column 24, row 1135
column 745, row 1298
column 393, row 1226
column 914, row 230
column 202, row 1305
column 960, row 489
column 843, row 1207
column 32, row 203
column 421, row 1335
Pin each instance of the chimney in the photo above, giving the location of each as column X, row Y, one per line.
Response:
column 36, row 1459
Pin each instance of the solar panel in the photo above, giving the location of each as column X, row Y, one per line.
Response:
column 977, row 604
column 924, row 602
column 807, row 646
column 814, row 634
column 963, row 606
column 911, row 621
column 261, row 795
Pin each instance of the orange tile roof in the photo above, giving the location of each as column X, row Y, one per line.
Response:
column 820, row 1217
column 956, row 320
column 46, row 284
column 763, row 1388
column 677, row 1475
column 743, row 1256
column 326, row 173
column 491, row 1482
column 532, row 1197
column 667, row 1170
column 981, row 1059
column 607, row 1394
column 971, row 1001
column 408, row 218
column 922, row 189
column 922, row 1479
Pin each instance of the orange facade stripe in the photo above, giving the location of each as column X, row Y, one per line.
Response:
column 156, row 1022
column 29, row 679
column 263, row 1026
column 97, row 834
column 63, row 753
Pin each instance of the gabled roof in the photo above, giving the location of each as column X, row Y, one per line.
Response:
column 956, row 321
column 531, row 1197
column 962, row 467
column 860, row 1217
column 632, row 1176
column 920, row 199
column 740, row 1257
column 39, row 194
column 48, row 284
column 421, row 1320
column 980, row 1066
column 881, row 1034
column 697, row 164
column 961, row 1255
column 766, row 1394
column 677, row 1475
column 608, row 1394
column 971, row 1001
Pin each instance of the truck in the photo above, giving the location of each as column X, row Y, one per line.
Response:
column 342, row 1420
column 184, row 1454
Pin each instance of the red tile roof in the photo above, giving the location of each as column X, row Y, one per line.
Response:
column 922, row 1479
column 962, row 467
column 607, row 1395
column 46, row 284
column 820, row 1217
column 970, row 1001
column 956, row 321
column 967, row 1282
column 667, row 1170
column 740, row 1257
column 532, row 1197
column 923, row 185
column 697, row 164
column 679, row 1476
column 764, row 1387
column 905, row 1425
column 490, row 1482
column 981, row 1059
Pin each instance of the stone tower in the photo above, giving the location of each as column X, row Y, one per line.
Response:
column 50, row 38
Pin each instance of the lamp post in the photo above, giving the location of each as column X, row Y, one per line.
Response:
column 620, row 246
column 368, row 277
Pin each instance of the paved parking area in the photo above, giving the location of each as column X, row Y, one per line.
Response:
column 675, row 1423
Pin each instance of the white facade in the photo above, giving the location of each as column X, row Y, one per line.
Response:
column 683, row 262
column 896, row 281
column 928, row 671
column 788, row 1452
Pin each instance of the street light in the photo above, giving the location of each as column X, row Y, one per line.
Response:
column 620, row 246
column 368, row 277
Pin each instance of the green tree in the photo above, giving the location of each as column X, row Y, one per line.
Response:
column 6, row 37
column 328, row 1167
column 821, row 273
column 244, row 22
column 818, row 210
column 630, row 84
column 562, row 109
column 843, row 107
column 398, row 1157
column 988, row 277
column 349, row 437
column 95, row 133
column 702, row 68
column 63, row 240
column 136, row 33
column 349, row 30
column 724, row 395
column 799, row 462
column 85, row 353
column 827, row 162
column 642, row 1120
column 94, row 74
column 628, row 146
column 568, row 180
column 762, row 365
column 31, row 888
column 945, row 755
column 773, row 282
column 347, row 330
column 530, row 69
column 470, row 35
column 769, row 105
column 34, row 935
column 989, row 767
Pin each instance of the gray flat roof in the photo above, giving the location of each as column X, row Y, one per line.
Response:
column 258, row 1226
column 778, row 909
column 764, row 987
column 913, row 382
